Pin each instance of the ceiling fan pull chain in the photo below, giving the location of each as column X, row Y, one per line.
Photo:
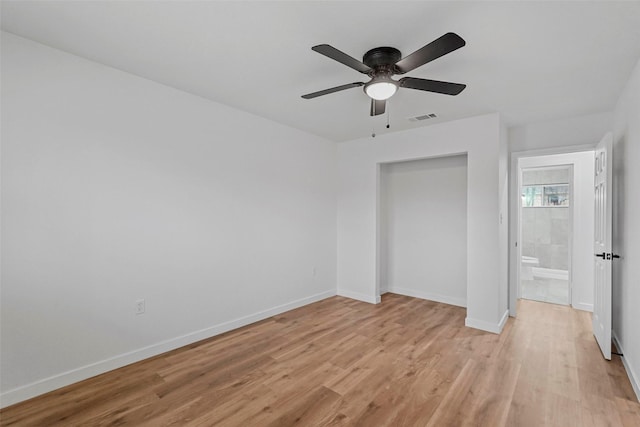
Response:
column 388, row 116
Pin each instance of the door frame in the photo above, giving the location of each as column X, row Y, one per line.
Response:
column 514, row 209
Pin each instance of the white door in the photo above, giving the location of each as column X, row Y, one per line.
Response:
column 602, row 246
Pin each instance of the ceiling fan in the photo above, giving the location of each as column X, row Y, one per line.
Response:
column 382, row 63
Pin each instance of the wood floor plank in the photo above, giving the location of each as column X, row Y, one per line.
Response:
column 359, row 397
column 452, row 409
column 600, row 411
column 312, row 409
column 422, row 398
column 350, row 378
column 562, row 376
column 563, row 411
column 529, row 405
column 340, row 362
column 629, row 411
column 232, row 412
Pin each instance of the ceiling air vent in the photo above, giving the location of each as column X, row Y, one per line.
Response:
column 423, row 117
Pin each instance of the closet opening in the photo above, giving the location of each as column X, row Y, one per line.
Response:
column 423, row 229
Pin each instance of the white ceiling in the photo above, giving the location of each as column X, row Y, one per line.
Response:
column 530, row 61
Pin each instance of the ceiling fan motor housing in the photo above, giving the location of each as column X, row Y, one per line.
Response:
column 382, row 58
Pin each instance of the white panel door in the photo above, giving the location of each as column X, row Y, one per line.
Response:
column 602, row 246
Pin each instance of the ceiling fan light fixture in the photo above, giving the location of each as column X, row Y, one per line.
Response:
column 381, row 89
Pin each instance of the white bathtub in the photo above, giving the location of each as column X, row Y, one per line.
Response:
column 528, row 263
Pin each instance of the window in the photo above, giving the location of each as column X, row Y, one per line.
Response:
column 548, row 195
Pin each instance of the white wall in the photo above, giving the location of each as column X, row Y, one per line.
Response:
column 566, row 132
column 116, row 188
column 626, row 223
column 424, row 216
column 582, row 211
column 358, row 205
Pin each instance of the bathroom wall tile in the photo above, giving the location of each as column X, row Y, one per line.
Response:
column 543, row 226
column 558, row 257
column 560, row 213
column 529, row 249
column 529, row 177
column 559, row 232
column 553, row 176
column 557, row 176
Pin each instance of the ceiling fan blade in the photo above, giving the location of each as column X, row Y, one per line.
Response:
column 341, row 57
column 434, row 50
column 446, row 88
column 377, row 107
column 333, row 89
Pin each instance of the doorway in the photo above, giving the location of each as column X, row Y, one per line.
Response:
column 559, row 273
column 545, row 213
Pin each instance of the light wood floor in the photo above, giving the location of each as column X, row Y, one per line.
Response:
column 342, row 362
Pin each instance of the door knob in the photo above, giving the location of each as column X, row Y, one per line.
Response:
column 602, row 255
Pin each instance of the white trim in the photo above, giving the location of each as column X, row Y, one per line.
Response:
column 633, row 378
column 483, row 325
column 583, row 306
column 515, row 256
column 39, row 387
column 445, row 299
column 372, row 299
column 503, row 320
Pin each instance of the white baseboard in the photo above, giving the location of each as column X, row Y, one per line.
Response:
column 483, row 325
column 503, row 321
column 633, row 378
column 445, row 299
column 37, row 388
column 583, row 306
column 372, row 299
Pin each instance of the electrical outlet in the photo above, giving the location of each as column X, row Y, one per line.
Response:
column 140, row 306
